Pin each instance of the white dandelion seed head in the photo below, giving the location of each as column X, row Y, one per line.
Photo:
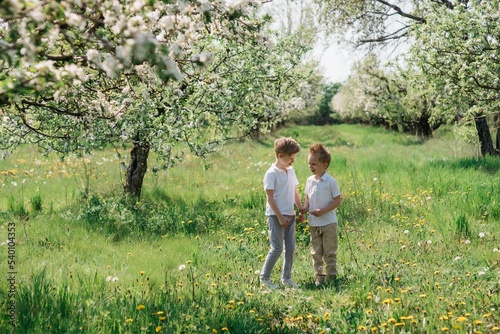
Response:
column 375, row 179
column 257, row 272
column 467, row 241
column 108, row 278
column 406, row 232
column 457, row 258
column 481, row 273
column 428, row 198
column 115, row 279
column 496, row 250
column 481, row 234
column 182, row 267
column 429, row 242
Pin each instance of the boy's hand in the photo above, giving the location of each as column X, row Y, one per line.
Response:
column 301, row 217
column 283, row 221
column 317, row 213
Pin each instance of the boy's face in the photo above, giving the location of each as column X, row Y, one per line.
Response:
column 283, row 161
column 316, row 167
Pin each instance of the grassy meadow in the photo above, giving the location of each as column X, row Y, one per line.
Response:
column 419, row 240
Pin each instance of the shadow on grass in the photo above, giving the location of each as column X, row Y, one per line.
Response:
column 490, row 164
column 338, row 284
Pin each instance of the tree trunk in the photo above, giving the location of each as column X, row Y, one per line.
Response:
column 137, row 168
column 497, row 126
column 423, row 128
column 483, row 131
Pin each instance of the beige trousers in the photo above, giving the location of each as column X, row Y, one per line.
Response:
column 324, row 244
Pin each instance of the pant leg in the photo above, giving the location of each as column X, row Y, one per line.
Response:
column 330, row 246
column 289, row 248
column 316, row 238
column 276, row 236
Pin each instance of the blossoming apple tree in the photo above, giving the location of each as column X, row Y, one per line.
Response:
column 78, row 75
column 452, row 45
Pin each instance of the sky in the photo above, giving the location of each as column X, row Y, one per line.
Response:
column 336, row 62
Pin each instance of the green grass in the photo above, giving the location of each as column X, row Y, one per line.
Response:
column 418, row 248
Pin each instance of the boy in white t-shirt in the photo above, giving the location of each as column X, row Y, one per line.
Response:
column 280, row 184
column 322, row 198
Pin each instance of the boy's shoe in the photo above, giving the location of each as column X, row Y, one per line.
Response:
column 289, row 283
column 320, row 279
column 269, row 284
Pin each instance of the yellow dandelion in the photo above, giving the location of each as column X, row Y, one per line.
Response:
column 423, row 295
column 443, row 317
column 214, row 331
column 457, row 327
column 142, row 272
column 444, row 329
column 140, row 307
column 159, row 312
column 487, row 315
column 129, row 320
column 163, row 318
column 374, row 329
column 362, row 328
column 225, row 329
column 369, row 312
column 495, row 329
column 392, row 321
column 477, row 322
column 241, row 303
column 388, row 301
column 399, row 324
column 157, row 329
column 461, row 319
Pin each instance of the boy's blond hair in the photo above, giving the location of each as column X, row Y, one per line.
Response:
column 321, row 152
column 287, row 146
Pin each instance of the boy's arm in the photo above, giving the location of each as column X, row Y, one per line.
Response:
column 274, row 207
column 332, row 206
column 306, row 204
column 298, row 200
column 298, row 203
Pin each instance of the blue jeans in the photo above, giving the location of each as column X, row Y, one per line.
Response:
column 279, row 236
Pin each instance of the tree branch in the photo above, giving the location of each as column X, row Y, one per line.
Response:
column 402, row 13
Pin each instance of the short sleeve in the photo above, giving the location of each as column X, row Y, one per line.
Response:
column 269, row 181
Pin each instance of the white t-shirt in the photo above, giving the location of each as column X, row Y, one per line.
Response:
column 321, row 194
column 283, row 182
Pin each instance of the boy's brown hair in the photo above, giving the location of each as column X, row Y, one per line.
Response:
column 287, row 146
column 321, row 152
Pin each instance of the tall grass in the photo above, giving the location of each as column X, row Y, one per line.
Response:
column 418, row 226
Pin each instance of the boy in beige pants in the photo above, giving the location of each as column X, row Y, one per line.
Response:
column 322, row 198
